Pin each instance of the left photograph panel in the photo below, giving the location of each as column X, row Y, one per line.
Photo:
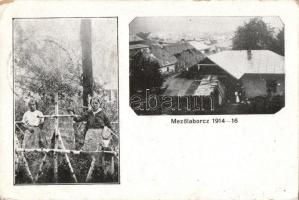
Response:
column 66, row 109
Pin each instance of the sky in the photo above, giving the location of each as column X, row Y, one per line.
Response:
column 185, row 25
column 67, row 32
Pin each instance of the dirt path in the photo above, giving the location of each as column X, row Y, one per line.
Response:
column 178, row 86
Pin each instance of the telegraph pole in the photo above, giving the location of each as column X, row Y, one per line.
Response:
column 87, row 76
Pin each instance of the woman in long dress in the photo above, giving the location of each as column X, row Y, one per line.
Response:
column 97, row 135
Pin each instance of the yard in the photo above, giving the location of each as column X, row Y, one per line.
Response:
column 182, row 86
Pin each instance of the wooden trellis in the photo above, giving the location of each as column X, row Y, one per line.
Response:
column 56, row 151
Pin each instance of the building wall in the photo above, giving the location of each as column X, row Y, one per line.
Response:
column 167, row 69
column 256, row 84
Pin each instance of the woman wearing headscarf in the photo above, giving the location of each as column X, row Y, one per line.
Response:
column 97, row 136
column 96, row 121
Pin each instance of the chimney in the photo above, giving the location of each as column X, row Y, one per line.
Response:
column 249, row 54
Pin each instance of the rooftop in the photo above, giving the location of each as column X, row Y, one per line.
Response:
column 164, row 58
column 177, row 48
column 138, row 46
column 134, row 38
column 199, row 45
column 237, row 63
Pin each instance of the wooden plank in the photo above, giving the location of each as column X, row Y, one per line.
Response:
column 76, row 152
column 57, row 115
column 56, row 141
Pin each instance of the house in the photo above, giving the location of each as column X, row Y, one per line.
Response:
column 134, row 39
column 166, row 61
column 177, row 48
column 110, row 95
column 185, row 54
column 255, row 73
column 135, row 48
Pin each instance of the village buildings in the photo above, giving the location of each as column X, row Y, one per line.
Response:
column 257, row 72
column 172, row 57
column 219, row 74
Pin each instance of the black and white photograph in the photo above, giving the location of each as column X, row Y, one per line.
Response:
column 66, row 109
column 206, row 65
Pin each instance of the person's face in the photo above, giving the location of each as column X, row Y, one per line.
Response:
column 32, row 106
column 95, row 105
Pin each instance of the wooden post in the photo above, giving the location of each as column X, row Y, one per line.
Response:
column 90, row 171
column 112, row 165
column 212, row 103
column 27, row 168
column 24, row 159
column 56, row 139
column 201, row 100
column 67, row 158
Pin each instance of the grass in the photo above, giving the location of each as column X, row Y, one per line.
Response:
column 80, row 163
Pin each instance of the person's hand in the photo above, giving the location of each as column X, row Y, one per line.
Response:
column 41, row 125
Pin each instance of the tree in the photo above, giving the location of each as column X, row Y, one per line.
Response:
column 144, row 73
column 278, row 43
column 87, row 77
column 43, row 66
column 255, row 34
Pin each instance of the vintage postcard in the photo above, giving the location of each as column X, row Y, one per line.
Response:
column 149, row 100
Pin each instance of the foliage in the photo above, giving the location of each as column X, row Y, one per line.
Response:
column 278, row 43
column 144, row 72
column 44, row 67
column 256, row 34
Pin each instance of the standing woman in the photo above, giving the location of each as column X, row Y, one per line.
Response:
column 96, row 121
column 96, row 134
column 33, row 122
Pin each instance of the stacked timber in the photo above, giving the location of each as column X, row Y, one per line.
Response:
column 211, row 86
column 207, row 86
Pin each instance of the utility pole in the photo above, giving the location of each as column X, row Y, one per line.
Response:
column 87, row 77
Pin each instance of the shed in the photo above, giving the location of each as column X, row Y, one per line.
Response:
column 259, row 72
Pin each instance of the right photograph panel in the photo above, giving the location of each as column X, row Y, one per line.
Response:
column 206, row 65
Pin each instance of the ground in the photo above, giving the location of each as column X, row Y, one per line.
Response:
column 176, row 86
column 184, row 84
column 80, row 163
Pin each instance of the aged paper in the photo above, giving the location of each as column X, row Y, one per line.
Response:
column 209, row 155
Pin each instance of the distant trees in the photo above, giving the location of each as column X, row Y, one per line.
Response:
column 256, row 34
column 278, row 43
column 144, row 73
